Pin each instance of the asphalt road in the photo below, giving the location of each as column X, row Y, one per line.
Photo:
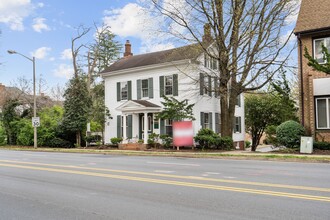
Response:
column 37, row 185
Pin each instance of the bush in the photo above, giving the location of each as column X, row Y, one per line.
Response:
column 208, row 139
column 271, row 135
column 93, row 138
column 247, row 144
column 24, row 132
column 167, row 140
column 2, row 135
column 153, row 139
column 321, row 145
column 288, row 134
column 116, row 140
column 60, row 143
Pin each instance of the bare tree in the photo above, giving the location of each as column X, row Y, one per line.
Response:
column 245, row 37
column 57, row 93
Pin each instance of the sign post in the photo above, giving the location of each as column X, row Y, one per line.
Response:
column 183, row 133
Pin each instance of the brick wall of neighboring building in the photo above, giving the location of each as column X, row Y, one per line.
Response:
column 307, row 91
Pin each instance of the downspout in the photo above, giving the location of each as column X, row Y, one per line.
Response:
column 301, row 81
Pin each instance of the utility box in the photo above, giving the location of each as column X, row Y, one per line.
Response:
column 306, row 145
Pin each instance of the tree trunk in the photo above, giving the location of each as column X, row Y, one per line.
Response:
column 227, row 117
column 78, row 139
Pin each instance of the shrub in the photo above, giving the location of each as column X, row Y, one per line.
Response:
column 321, row 145
column 60, row 143
column 167, row 140
column 93, row 138
column 153, row 139
column 224, row 143
column 116, row 140
column 206, row 138
column 2, row 135
column 288, row 134
column 271, row 135
column 247, row 144
column 24, row 132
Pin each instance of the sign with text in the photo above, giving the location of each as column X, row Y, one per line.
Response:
column 183, row 133
column 35, row 121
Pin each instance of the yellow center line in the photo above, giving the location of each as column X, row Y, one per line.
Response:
column 179, row 177
column 177, row 183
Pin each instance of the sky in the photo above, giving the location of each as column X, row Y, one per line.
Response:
column 44, row 29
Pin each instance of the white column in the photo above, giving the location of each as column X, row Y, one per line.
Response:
column 145, row 132
column 124, row 128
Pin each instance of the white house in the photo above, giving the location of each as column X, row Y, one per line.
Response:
column 134, row 86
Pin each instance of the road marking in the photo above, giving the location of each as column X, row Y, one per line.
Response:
column 163, row 171
column 212, row 173
column 177, row 183
column 229, row 177
column 178, row 164
column 179, row 177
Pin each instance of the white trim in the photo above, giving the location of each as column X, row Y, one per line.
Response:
column 327, row 108
column 324, row 42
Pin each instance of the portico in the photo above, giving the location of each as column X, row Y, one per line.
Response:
column 136, row 120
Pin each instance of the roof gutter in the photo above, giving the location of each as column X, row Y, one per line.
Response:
column 301, row 81
column 319, row 30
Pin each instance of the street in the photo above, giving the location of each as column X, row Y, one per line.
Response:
column 40, row 185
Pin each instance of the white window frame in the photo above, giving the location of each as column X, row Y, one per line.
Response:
column 325, row 44
column 145, row 89
column 238, row 123
column 122, row 89
column 206, row 125
column 210, row 62
column 327, row 107
column 168, row 86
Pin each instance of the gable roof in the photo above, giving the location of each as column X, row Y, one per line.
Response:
column 176, row 54
column 314, row 15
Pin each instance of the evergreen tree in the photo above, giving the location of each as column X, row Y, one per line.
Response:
column 315, row 64
column 77, row 106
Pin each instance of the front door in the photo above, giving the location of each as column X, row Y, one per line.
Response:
column 141, row 124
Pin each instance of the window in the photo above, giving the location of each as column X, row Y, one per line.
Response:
column 323, row 113
column 318, row 55
column 238, row 125
column 238, row 101
column 149, row 123
column 145, row 91
column 168, row 85
column 124, row 90
column 206, row 84
column 206, row 120
column 168, row 127
column 210, row 62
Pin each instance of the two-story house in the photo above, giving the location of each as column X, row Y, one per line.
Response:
column 135, row 85
column 313, row 30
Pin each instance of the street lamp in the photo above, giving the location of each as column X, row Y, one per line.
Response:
column 34, row 92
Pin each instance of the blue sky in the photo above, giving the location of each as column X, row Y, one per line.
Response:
column 44, row 28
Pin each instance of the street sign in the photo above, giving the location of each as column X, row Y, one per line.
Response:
column 35, row 121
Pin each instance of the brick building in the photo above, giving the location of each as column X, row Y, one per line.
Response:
column 313, row 30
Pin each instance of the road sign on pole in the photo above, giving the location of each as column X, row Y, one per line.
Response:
column 35, row 121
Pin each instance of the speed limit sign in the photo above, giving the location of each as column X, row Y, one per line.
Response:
column 35, row 121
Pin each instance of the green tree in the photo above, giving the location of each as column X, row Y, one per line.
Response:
column 9, row 116
column 261, row 110
column 315, row 64
column 176, row 110
column 76, row 107
column 2, row 134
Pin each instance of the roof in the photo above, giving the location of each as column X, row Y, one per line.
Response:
column 146, row 103
column 176, row 54
column 314, row 15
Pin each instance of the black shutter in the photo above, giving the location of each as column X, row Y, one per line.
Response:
column 119, row 126
column 161, row 86
column 130, row 127
column 201, row 83
column 210, row 121
column 138, row 91
column 162, row 126
column 210, row 86
column 151, row 88
column 175, row 85
column 202, row 119
column 217, row 124
column 118, row 91
column 129, row 90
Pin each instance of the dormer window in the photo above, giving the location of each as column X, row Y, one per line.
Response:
column 318, row 55
column 210, row 62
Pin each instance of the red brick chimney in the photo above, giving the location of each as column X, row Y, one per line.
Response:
column 128, row 50
column 207, row 33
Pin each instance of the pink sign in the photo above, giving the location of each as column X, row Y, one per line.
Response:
column 183, row 133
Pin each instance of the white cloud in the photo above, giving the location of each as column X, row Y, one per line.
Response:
column 66, row 54
column 41, row 53
column 64, row 71
column 39, row 25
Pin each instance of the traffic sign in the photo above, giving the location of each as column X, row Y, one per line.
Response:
column 35, row 121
